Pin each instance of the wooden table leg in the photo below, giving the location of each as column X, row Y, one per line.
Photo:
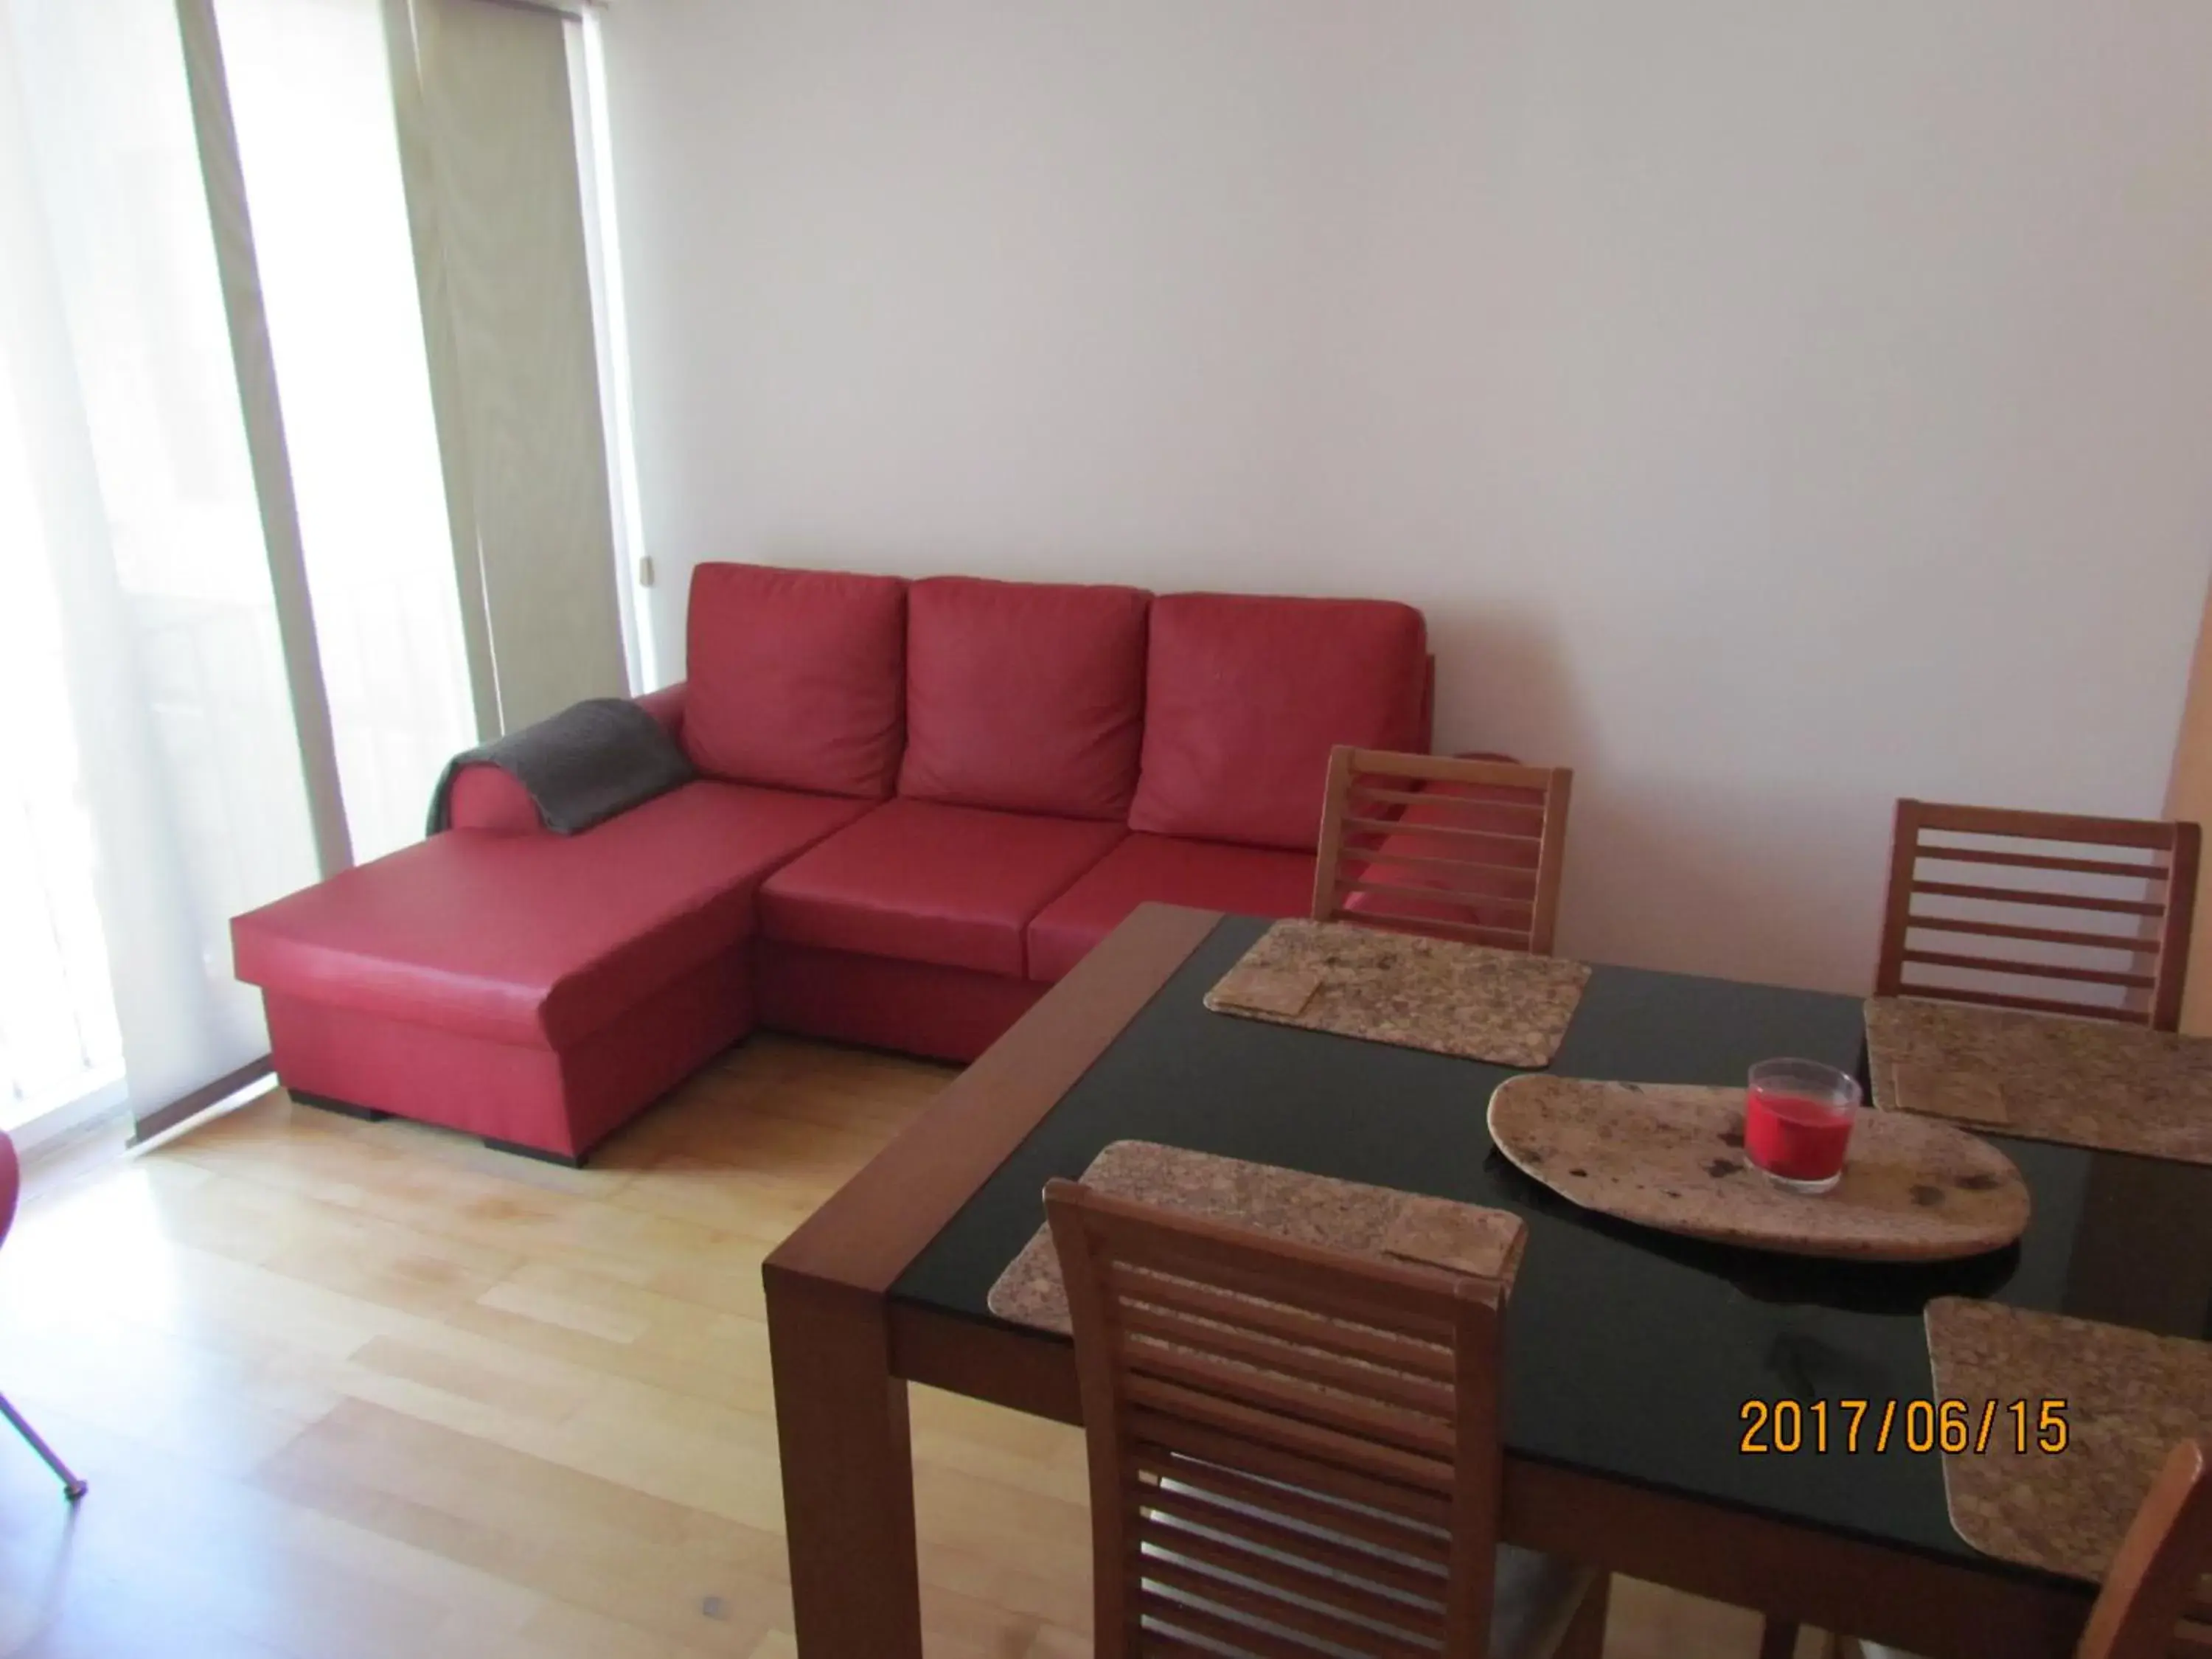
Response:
column 840, row 1421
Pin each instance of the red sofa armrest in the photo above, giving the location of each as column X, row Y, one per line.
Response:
column 666, row 706
column 485, row 798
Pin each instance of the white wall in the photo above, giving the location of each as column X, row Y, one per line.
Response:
column 1777, row 406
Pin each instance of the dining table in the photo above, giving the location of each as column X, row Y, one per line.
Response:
column 1640, row 1365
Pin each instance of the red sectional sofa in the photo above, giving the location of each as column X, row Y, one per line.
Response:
column 919, row 805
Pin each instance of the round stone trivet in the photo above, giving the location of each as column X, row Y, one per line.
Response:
column 1671, row 1156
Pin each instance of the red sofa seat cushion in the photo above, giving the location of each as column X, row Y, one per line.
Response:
column 796, row 679
column 925, row 882
column 1502, row 897
column 1245, row 696
column 1025, row 697
column 1212, row 875
column 535, row 940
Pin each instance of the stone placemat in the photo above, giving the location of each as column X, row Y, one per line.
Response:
column 1307, row 1209
column 1505, row 1006
column 1670, row 1156
column 2129, row 1397
column 2043, row 1077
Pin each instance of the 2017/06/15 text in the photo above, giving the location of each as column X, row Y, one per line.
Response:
column 1917, row 1425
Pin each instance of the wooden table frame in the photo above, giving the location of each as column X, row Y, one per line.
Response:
column 841, row 1354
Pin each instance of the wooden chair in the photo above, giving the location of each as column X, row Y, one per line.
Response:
column 11, row 1182
column 1295, row 1451
column 1466, row 849
column 2156, row 1602
column 2156, row 1599
column 1977, row 908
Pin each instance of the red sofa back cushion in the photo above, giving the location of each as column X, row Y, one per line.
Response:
column 1245, row 696
column 1026, row 696
column 797, row 678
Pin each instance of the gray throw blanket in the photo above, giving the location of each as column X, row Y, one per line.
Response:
column 580, row 766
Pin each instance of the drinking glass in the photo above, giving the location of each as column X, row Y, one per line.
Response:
column 1797, row 1122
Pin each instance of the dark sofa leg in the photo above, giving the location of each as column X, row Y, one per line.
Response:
column 370, row 1114
column 342, row 1108
column 537, row 1152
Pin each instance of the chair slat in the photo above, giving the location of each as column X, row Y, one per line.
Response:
column 1330, row 1553
column 1366, row 791
column 1930, row 854
column 1418, row 1541
column 1312, row 1441
column 1313, row 1622
column 1272, row 1462
column 2153, row 834
column 2031, row 969
column 1420, row 1356
column 1314, row 1365
column 2002, row 999
column 1234, row 1635
column 2029, row 896
column 1438, row 894
column 1452, row 831
column 1391, row 1306
column 1375, row 855
column 1321, row 1407
column 1345, row 1591
column 2131, row 946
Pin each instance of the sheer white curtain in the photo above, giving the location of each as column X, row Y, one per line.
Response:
column 152, row 741
column 302, row 482
column 58, row 1045
column 311, row 97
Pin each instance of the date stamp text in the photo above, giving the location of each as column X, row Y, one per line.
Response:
column 1785, row 1426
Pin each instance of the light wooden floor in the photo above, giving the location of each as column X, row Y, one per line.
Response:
column 346, row 1389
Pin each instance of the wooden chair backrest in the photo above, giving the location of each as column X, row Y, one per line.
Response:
column 2157, row 1599
column 2155, row 903
column 1486, row 861
column 1279, row 1437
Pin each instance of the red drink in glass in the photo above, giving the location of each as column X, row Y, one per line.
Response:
column 1797, row 1122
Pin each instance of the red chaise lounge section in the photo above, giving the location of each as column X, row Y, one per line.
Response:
column 919, row 805
column 533, row 989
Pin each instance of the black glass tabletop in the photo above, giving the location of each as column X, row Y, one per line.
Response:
column 1632, row 1354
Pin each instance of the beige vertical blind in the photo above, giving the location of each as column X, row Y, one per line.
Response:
column 488, row 146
